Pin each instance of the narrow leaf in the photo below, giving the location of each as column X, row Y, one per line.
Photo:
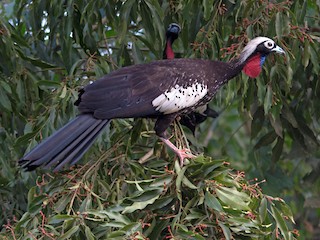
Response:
column 59, row 218
column 266, row 140
column 268, row 100
column 277, row 149
column 306, row 54
column 212, row 202
column 226, row 231
column 232, row 200
column 263, row 209
column 88, row 233
column 279, row 25
column 69, row 233
column 139, row 205
column 281, row 224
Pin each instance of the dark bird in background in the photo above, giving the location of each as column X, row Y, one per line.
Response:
column 161, row 89
column 172, row 34
column 199, row 115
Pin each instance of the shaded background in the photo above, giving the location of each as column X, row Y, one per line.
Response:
column 269, row 127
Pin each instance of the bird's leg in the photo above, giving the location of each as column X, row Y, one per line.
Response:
column 162, row 123
column 181, row 153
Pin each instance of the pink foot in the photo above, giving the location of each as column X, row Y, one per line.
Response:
column 181, row 153
column 184, row 153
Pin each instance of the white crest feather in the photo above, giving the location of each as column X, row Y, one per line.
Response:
column 251, row 47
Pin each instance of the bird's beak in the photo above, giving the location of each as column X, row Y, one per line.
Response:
column 278, row 49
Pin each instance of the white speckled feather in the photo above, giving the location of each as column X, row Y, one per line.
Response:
column 179, row 98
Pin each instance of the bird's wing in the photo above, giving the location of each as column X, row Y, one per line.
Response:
column 128, row 92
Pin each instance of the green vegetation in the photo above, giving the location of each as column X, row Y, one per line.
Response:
column 257, row 173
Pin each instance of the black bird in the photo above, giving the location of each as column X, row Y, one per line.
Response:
column 172, row 34
column 192, row 119
column 161, row 89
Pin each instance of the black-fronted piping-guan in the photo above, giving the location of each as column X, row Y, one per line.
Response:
column 172, row 34
column 161, row 89
column 199, row 115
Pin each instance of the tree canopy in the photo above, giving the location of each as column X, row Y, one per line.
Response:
column 257, row 173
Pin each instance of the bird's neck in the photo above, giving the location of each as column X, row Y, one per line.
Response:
column 234, row 68
column 169, row 54
column 251, row 66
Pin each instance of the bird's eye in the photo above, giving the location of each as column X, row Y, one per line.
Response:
column 269, row 44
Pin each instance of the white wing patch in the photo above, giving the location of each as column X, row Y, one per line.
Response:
column 178, row 98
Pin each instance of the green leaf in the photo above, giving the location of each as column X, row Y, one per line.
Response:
column 257, row 122
column 263, row 209
column 314, row 58
column 139, row 205
column 89, row 234
column 180, row 177
column 306, row 54
column 268, row 99
column 279, row 23
column 287, row 114
column 62, row 203
column 286, row 210
column 4, row 100
column 277, row 149
column 137, row 54
column 26, row 137
column 206, row 168
column 160, row 182
column 212, row 202
column 226, row 231
column 136, row 131
column 63, row 92
column 266, row 140
column 132, row 228
column 59, row 218
column 233, row 199
column 46, row 83
column 277, row 125
column 39, row 63
column 70, row 233
column 116, row 235
column 124, row 15
column 161, row 203
column 117, row 217
column 35, row 205
column 188, row 184
column 208, row 7
column 280, row 222
column 146, row 195
column 6, row 87
column 194, row 214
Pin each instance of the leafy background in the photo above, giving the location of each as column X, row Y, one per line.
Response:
column 260, row 167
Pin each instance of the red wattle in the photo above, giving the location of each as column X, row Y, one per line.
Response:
column 253, row 66
column 169, row 51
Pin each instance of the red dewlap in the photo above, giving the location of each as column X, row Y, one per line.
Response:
column 253, row 66
column 169, row 51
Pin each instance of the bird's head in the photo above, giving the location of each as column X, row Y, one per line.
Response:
column 254, row 54
column 173, row 31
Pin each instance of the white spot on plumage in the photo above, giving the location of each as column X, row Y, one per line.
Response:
column 179, row 97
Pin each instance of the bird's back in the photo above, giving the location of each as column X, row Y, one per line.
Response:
column 131, row 91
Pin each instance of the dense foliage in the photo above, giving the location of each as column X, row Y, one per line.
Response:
column 129, row 186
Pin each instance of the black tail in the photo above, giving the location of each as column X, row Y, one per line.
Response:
column 67, row 145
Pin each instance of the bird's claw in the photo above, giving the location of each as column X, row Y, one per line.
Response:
column 184, row 153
